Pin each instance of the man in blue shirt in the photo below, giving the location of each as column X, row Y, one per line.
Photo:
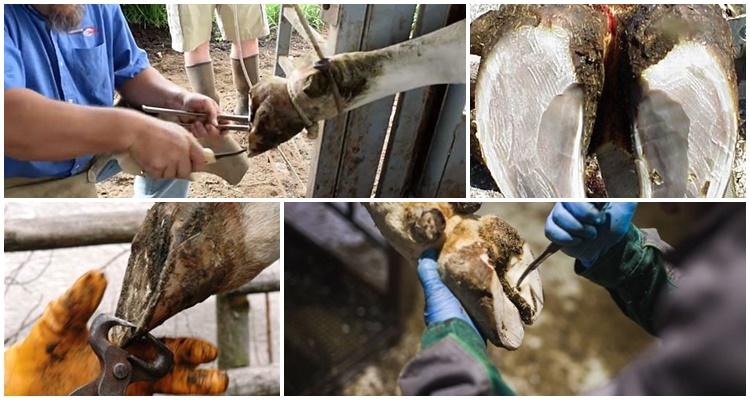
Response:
column 63, row 64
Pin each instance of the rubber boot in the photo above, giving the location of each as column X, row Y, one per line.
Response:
column 201, row 78
column 241, row 84
column 231, row 169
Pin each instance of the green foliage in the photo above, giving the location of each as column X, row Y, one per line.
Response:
column 272, row 14
column 154, row 15
column 311, row 12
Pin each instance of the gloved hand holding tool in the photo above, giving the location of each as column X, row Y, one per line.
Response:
column 584, row 231
column 56, row 358
column 440, row 303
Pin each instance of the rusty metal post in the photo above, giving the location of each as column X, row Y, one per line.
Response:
column 233, row 330
column 283, row 42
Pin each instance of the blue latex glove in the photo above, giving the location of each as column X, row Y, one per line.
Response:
column 586, row 233
column 439, row 302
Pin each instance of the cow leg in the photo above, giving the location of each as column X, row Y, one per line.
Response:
column 361, row 78
column 185, row 252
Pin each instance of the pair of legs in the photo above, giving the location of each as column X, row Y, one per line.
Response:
column 190, row 26
column 200, row 71
column 201, row 55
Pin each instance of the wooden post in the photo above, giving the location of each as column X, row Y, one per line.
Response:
column 269, row 330
column 71, row 230
column 233, row 330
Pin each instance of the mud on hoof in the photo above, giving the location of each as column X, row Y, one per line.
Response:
column 481, row 262
column 429, row 227
column 466, row 207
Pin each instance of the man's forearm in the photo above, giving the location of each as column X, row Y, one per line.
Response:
column 151, row 88
column 470, row 371
column 37, row 128
column 635, row 274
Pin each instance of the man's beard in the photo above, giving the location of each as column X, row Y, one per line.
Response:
column 64, row 17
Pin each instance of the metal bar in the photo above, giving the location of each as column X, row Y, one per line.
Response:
column 283, row 41
column 233, row 330
column 286, row 64
column 366, row 128
column 453, row 183
column 350, row 218
column 436, row 178
column 183, row 113
column 400, row 151
column 257, row 287
column 254, row 381
column 345, row 36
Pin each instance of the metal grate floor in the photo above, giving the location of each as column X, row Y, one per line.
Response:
column 332, row 321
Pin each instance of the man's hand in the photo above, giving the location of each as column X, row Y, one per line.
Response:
column 586, row 233
column 197, row 102
column 163, row 149
column 55, row 358
column 439, row 302
column 149, row 87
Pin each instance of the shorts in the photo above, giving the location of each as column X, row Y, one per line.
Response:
column 190, row 24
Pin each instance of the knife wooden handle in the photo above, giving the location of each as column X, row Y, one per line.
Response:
column 130, row 166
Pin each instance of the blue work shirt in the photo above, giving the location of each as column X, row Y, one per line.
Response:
column 83, row 66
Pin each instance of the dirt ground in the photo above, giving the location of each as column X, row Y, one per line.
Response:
column 269, row 174
column 581, row 339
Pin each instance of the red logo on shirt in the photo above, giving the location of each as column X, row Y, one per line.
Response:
column 90, row 31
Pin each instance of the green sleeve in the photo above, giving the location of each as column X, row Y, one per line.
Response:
column 634, row 273
column 470, row 341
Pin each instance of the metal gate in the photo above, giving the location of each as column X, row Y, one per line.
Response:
column 347, row 295
column 411, row 144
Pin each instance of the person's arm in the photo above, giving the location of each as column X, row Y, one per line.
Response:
column 634, row 273
column 55, row 358
column 140, row 84
column 453, row 359
column 41, row 129
column 613, row 253
column 150, row 87
column 37, row 128
column 701, row 323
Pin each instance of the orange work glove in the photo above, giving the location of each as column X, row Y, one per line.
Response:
column 55, row 358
